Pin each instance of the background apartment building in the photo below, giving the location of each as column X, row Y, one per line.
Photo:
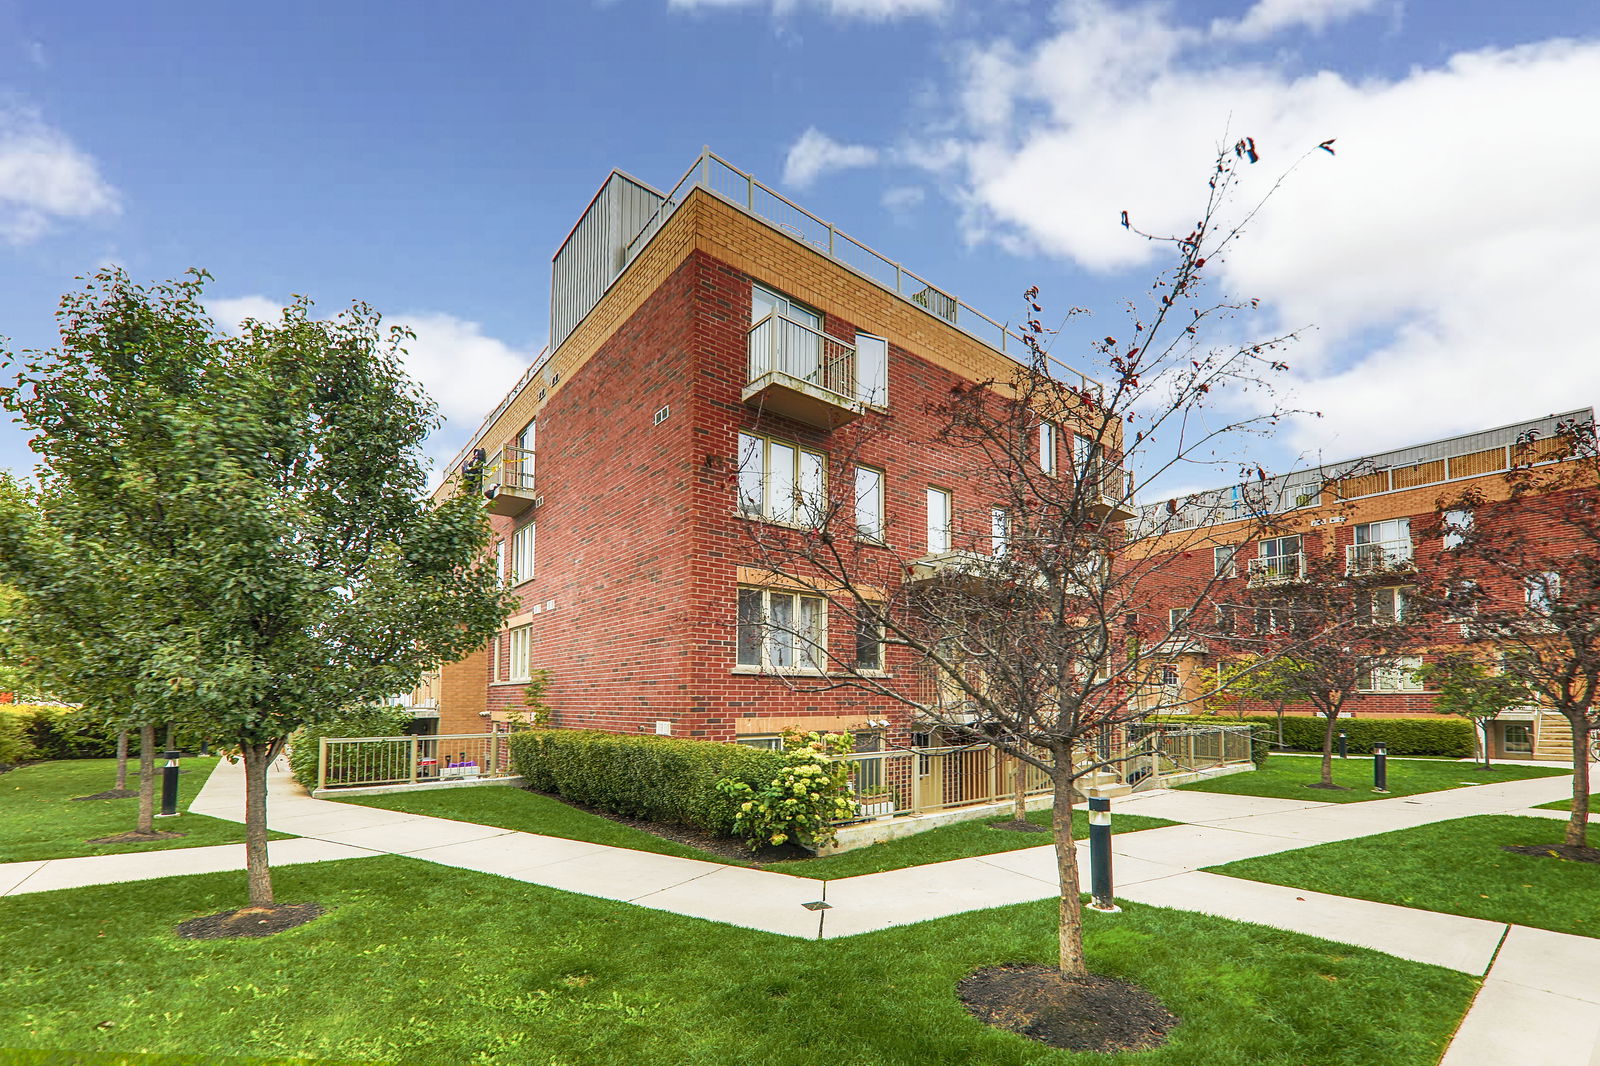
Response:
column 1390, row 519
column 718, row 359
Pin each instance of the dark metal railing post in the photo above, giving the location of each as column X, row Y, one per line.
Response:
column 1100, row 855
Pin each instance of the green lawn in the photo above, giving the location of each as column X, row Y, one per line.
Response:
column 529, row 812
column 1456, row 867
column 39, row 818
column 1566, row 804
column 1286, row 777
column 424, row 963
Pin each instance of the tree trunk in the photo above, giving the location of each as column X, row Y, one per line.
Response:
column 122, row 761
column 172, row 735
column 258, row 759
column 1327, row 746
column 1578, row 825
column 147, row 779
column 1019, row 780
column 1071, row 929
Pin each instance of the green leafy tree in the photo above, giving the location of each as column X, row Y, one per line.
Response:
column 1468, row 688
column 231, row 532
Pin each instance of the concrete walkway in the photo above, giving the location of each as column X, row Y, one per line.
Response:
column 1539, row 1002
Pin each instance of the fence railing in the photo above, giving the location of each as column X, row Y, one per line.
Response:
column 510, row 469
column 1378, row 556
column 353, row 762
column 923, row 780
column 715, row 174
column 1272, row 569
column 782, row 345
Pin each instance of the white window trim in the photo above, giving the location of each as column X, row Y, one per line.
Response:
column 999, row 531
column 948, row 530
column 1231, row 568
column 522, row 555
column 519, row 667
column 805, row 513
column 1400, row 675
column 1047, row 447
column 877, row 397
column 875, row 535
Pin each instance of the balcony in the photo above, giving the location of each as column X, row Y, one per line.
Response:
column 1275, row 569
column 1110, row 491
column 954, row 565
column 801, row 373
column 508, row 481
column 1379, row 557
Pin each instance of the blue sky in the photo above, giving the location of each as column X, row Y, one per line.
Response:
column 428, row 159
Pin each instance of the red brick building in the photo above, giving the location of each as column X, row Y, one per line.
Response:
column 718, row 358
column 1388, row 516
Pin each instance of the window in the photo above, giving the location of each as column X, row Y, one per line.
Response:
column 1178, row 618
column 500, row 562
column 1379, row 546
column 999, row 530
column 1231, row 618
column 1461, row 601
column 872, row 370
column 938, row 521
column 1082, row 456
column 1385, row 607
column 522, row 555
column 1267, row 620
column 1397, row 675
column 1454, row 526
column 793, row 340
column 1518, row 739
column 521, row 656
column 869, row 502
column 1280, row 558
column 780, row 630
column 869, row 645
column 781, row 481
column 1223, row 560
column 1047, row 447
column 766, row 743
column 1542, row 590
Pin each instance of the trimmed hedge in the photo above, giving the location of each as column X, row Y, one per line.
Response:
column 379, row 721
column 1449, row 736
column 52, row 731
column 16, row 746
column 661, row 779
column 1262, row 737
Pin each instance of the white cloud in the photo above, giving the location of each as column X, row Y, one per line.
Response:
column 44, row 177
column 1268, row 17
column 871, row 10
column 816, row 154
column 464, row 370
column 901, row 198
column 1445, row 255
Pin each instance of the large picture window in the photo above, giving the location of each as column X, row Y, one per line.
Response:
column 779, row 630
column 781, row 481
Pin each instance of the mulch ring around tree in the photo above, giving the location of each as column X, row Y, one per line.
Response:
column 1016, row 825
column 1091, row 1013
column 250, row 921
column 109, row 794
column 1569, row 852
column 136, row 838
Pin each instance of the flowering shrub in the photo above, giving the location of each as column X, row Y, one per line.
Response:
column 809, row 791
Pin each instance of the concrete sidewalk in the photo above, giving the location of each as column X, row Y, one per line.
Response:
column 1538, row 982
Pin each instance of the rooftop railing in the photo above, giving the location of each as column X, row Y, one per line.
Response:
column 716, row 175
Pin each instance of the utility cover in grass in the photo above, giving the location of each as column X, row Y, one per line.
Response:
column 1091, row 1013
column 250, row 921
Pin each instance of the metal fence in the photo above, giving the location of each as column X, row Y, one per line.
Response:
column 353, row 762
column 1141, row 756
column 782, row 345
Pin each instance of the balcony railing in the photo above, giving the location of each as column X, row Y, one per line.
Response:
column 1276, row 569
column 508, row 481
column 1378, row 557
column 800, row 372
column 1111, row 489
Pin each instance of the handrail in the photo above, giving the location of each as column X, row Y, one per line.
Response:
column 921, row 292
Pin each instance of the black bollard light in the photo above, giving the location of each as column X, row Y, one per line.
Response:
column 1100, row 855
column 1344, row 745
column 1380, row 767
column 169, row 785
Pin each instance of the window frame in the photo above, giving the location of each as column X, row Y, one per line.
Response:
column 869, row 633
column 877, row 396
column 1402, row 671
column 948, row 529
column 876, row 534
column 523, row 541
column 803, row 513
column 1455, row 523
column 1231, row 567
column 999, row 532
column 1047, row 447
column 808, row 654
column 1399, row 603
column 1541, row 591
column 522, row 635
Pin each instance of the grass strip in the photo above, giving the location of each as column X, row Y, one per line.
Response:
column 1288, row 778
column 41, row 819
column 421, row 963
column 1455, row 867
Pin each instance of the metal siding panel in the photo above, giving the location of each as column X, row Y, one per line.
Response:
column 591, row 258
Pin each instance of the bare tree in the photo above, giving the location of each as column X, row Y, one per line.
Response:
column 1022, row 625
